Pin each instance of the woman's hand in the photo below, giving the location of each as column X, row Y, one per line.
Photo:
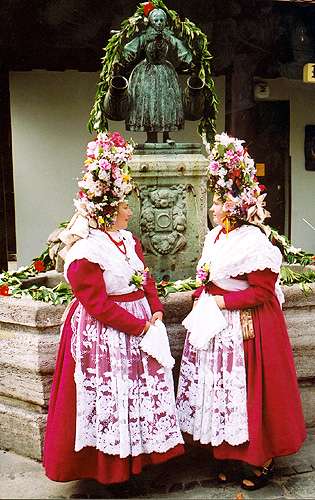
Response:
column 155, row 316
column 147, row 326
column 220, row 301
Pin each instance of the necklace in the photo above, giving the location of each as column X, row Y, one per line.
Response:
column 120, row 245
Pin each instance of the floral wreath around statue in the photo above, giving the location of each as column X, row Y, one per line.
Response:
column 195, row 39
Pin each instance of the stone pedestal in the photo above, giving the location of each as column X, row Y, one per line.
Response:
column 170, row 210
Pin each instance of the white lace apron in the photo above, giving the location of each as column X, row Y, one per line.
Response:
column 212, row 399
column 125, row 398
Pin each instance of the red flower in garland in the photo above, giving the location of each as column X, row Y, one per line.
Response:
column 262, row 187
column 39, row 266
column 4, row 289
column 147, row 7
column 164, row 283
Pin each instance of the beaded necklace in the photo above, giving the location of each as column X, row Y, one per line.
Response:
column 120, row 245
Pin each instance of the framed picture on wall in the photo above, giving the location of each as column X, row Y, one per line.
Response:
column 309, row 147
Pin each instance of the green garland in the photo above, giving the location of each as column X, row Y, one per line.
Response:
column 195, row 39
column 291, row 254
column 290, row 277
column 14, row 281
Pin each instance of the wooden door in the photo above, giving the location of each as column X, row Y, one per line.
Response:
column 265, row 126
column 269, row 146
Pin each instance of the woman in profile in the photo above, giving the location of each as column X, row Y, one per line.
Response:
column 112, row 406
column 238, row 391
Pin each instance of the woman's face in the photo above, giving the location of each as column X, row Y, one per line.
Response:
column 123, row 216
column 157, row 20
column 217, row 210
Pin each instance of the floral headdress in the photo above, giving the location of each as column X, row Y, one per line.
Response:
column 232, row 177
column 106, row 180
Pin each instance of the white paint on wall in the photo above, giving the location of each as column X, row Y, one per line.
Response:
column 302, row 112
column 49, row 113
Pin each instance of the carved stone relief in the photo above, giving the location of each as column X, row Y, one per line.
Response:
column 163, row 219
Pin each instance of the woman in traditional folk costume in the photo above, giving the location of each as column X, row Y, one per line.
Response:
column 112, row 407
column 238, row 390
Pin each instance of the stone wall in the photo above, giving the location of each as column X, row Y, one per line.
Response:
column 29, row 336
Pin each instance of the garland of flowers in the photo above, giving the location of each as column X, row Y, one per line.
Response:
column 195, row 39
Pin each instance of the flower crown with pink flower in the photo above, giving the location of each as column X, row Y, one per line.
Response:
column 106, row 179
column 232, row 177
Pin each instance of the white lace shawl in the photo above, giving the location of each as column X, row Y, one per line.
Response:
column 98, row 248
column 242, row 251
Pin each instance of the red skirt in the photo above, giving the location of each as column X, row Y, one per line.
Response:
column 60, row 461
column 275, row 418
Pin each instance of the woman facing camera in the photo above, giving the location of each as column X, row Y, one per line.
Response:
column 238, row 390
column 112, row 406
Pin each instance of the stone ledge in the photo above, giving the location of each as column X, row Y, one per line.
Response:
column 25, row 385
column 40, row 314
column 294, row 296
column 30, row 312
column 28, row 349
column 178, row 304
column 22, row 430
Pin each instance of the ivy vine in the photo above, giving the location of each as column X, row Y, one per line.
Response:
column 187, row 31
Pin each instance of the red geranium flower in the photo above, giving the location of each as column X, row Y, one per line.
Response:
column 117, row 139
column 164, row 283
column 147, row 7
column 39, row 266
column 4, row 289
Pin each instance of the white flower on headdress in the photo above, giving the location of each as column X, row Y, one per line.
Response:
column 104, row 175
column 221, row 182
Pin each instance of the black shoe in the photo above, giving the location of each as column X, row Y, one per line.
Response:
column 223, row 472
column 261, row 480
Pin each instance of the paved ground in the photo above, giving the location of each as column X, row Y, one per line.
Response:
column 188, row 477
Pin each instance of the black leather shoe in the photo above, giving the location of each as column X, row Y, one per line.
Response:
column 261, row 480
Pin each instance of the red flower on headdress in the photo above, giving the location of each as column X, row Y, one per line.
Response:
column 262, row 187
column 4, row 289
column 39, row 266
column 117, row 139
column 147, row 7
